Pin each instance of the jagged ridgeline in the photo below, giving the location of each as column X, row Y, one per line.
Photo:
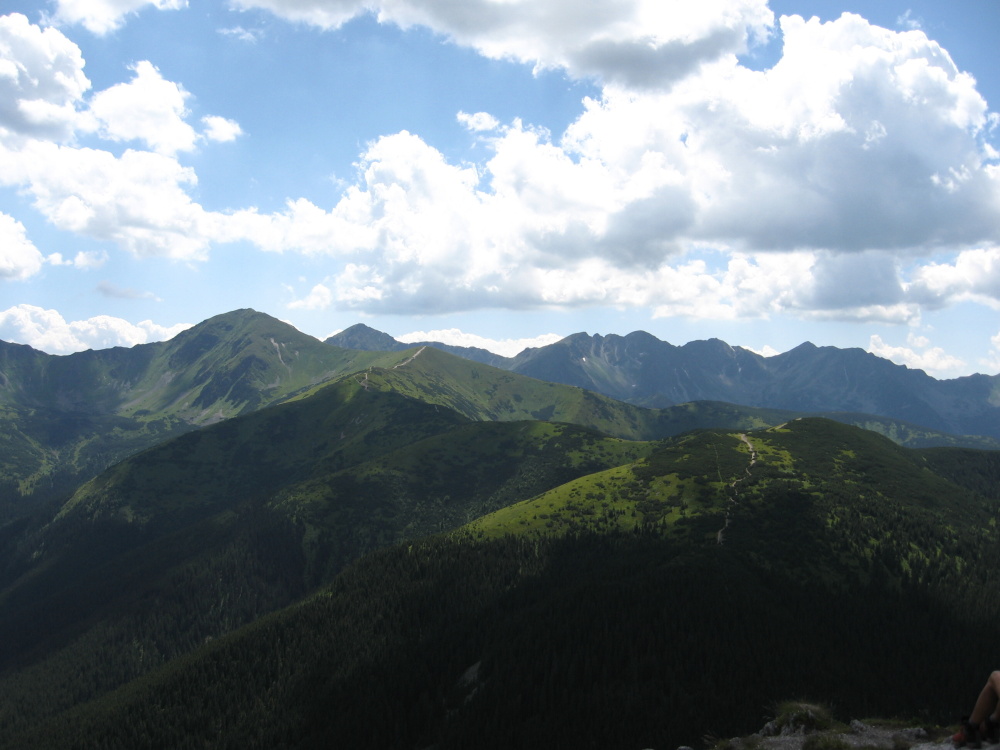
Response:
column 667, row 590
column 63, row 419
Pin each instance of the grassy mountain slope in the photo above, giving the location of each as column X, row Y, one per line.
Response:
column 46, row 453
column 65, row 418
column 233, row 364
column 226, row 365
column 485, row 393
column 210, row 530
column 844, row 557
column 360, row 336
column 711, row 476
column 439, row 483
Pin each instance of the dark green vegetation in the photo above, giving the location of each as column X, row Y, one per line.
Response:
column 849, row 572
column 425, row 550
column 65, row 419
column 187, row 540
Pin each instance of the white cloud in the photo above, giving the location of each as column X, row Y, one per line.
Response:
column 858, row 148
column 324, row 14
column 479, row 121
column 932, row 359
column 639, row 43
column 48, row 331
column 19, row 258
column 909, row 21
column 503, row 347
column 41, row 80
column 859, row 151
column 244, row 35
column 137, row 200
column 220, row 129
column 765, row 351
column 992, row 362
column 83, row 259
column 90, row 259
column 319, row 298
column 148, row 108
column 107, row 289
column 975, row 275
column 836, row 147
column 412, row 208
column 103, row 16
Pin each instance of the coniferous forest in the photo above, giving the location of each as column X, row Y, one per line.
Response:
column 387, row 561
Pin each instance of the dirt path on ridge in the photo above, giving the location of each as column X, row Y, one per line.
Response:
column 720, row 536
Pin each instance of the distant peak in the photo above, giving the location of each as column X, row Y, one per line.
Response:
column 361, row 328
column 365, row 338
column 641, row 336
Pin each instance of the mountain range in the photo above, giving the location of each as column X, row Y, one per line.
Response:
column 245, row 537
column 640, row 369
column 66, row 418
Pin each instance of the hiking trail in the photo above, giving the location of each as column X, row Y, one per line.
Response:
column 734, row 487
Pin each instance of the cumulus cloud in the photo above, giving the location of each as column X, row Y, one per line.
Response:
column 138, row 199
column 457, row 337
column 638, row 43
column 319, row 298
column 84, row 259
column 858, row 138
column 478, row 121
column 90, row 259
column 919, row 354
column 48, row 331
column 691, row 184
column 41, row 81
column 103, row 16
column 148, row 108
column 861, row 148
column 221, row 129
column 19, row 258
column 974, row 275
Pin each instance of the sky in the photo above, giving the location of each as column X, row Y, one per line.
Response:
column 504, row 173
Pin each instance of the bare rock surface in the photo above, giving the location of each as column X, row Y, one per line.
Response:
column 807, row 728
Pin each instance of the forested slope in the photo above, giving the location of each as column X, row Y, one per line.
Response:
column 631, row 625
column 189, row 540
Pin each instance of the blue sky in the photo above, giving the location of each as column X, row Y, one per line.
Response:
column 503, row 174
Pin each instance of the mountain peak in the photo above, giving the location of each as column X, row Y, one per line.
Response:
column 362, row 337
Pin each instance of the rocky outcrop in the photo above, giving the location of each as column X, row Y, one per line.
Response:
column 809, row 727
